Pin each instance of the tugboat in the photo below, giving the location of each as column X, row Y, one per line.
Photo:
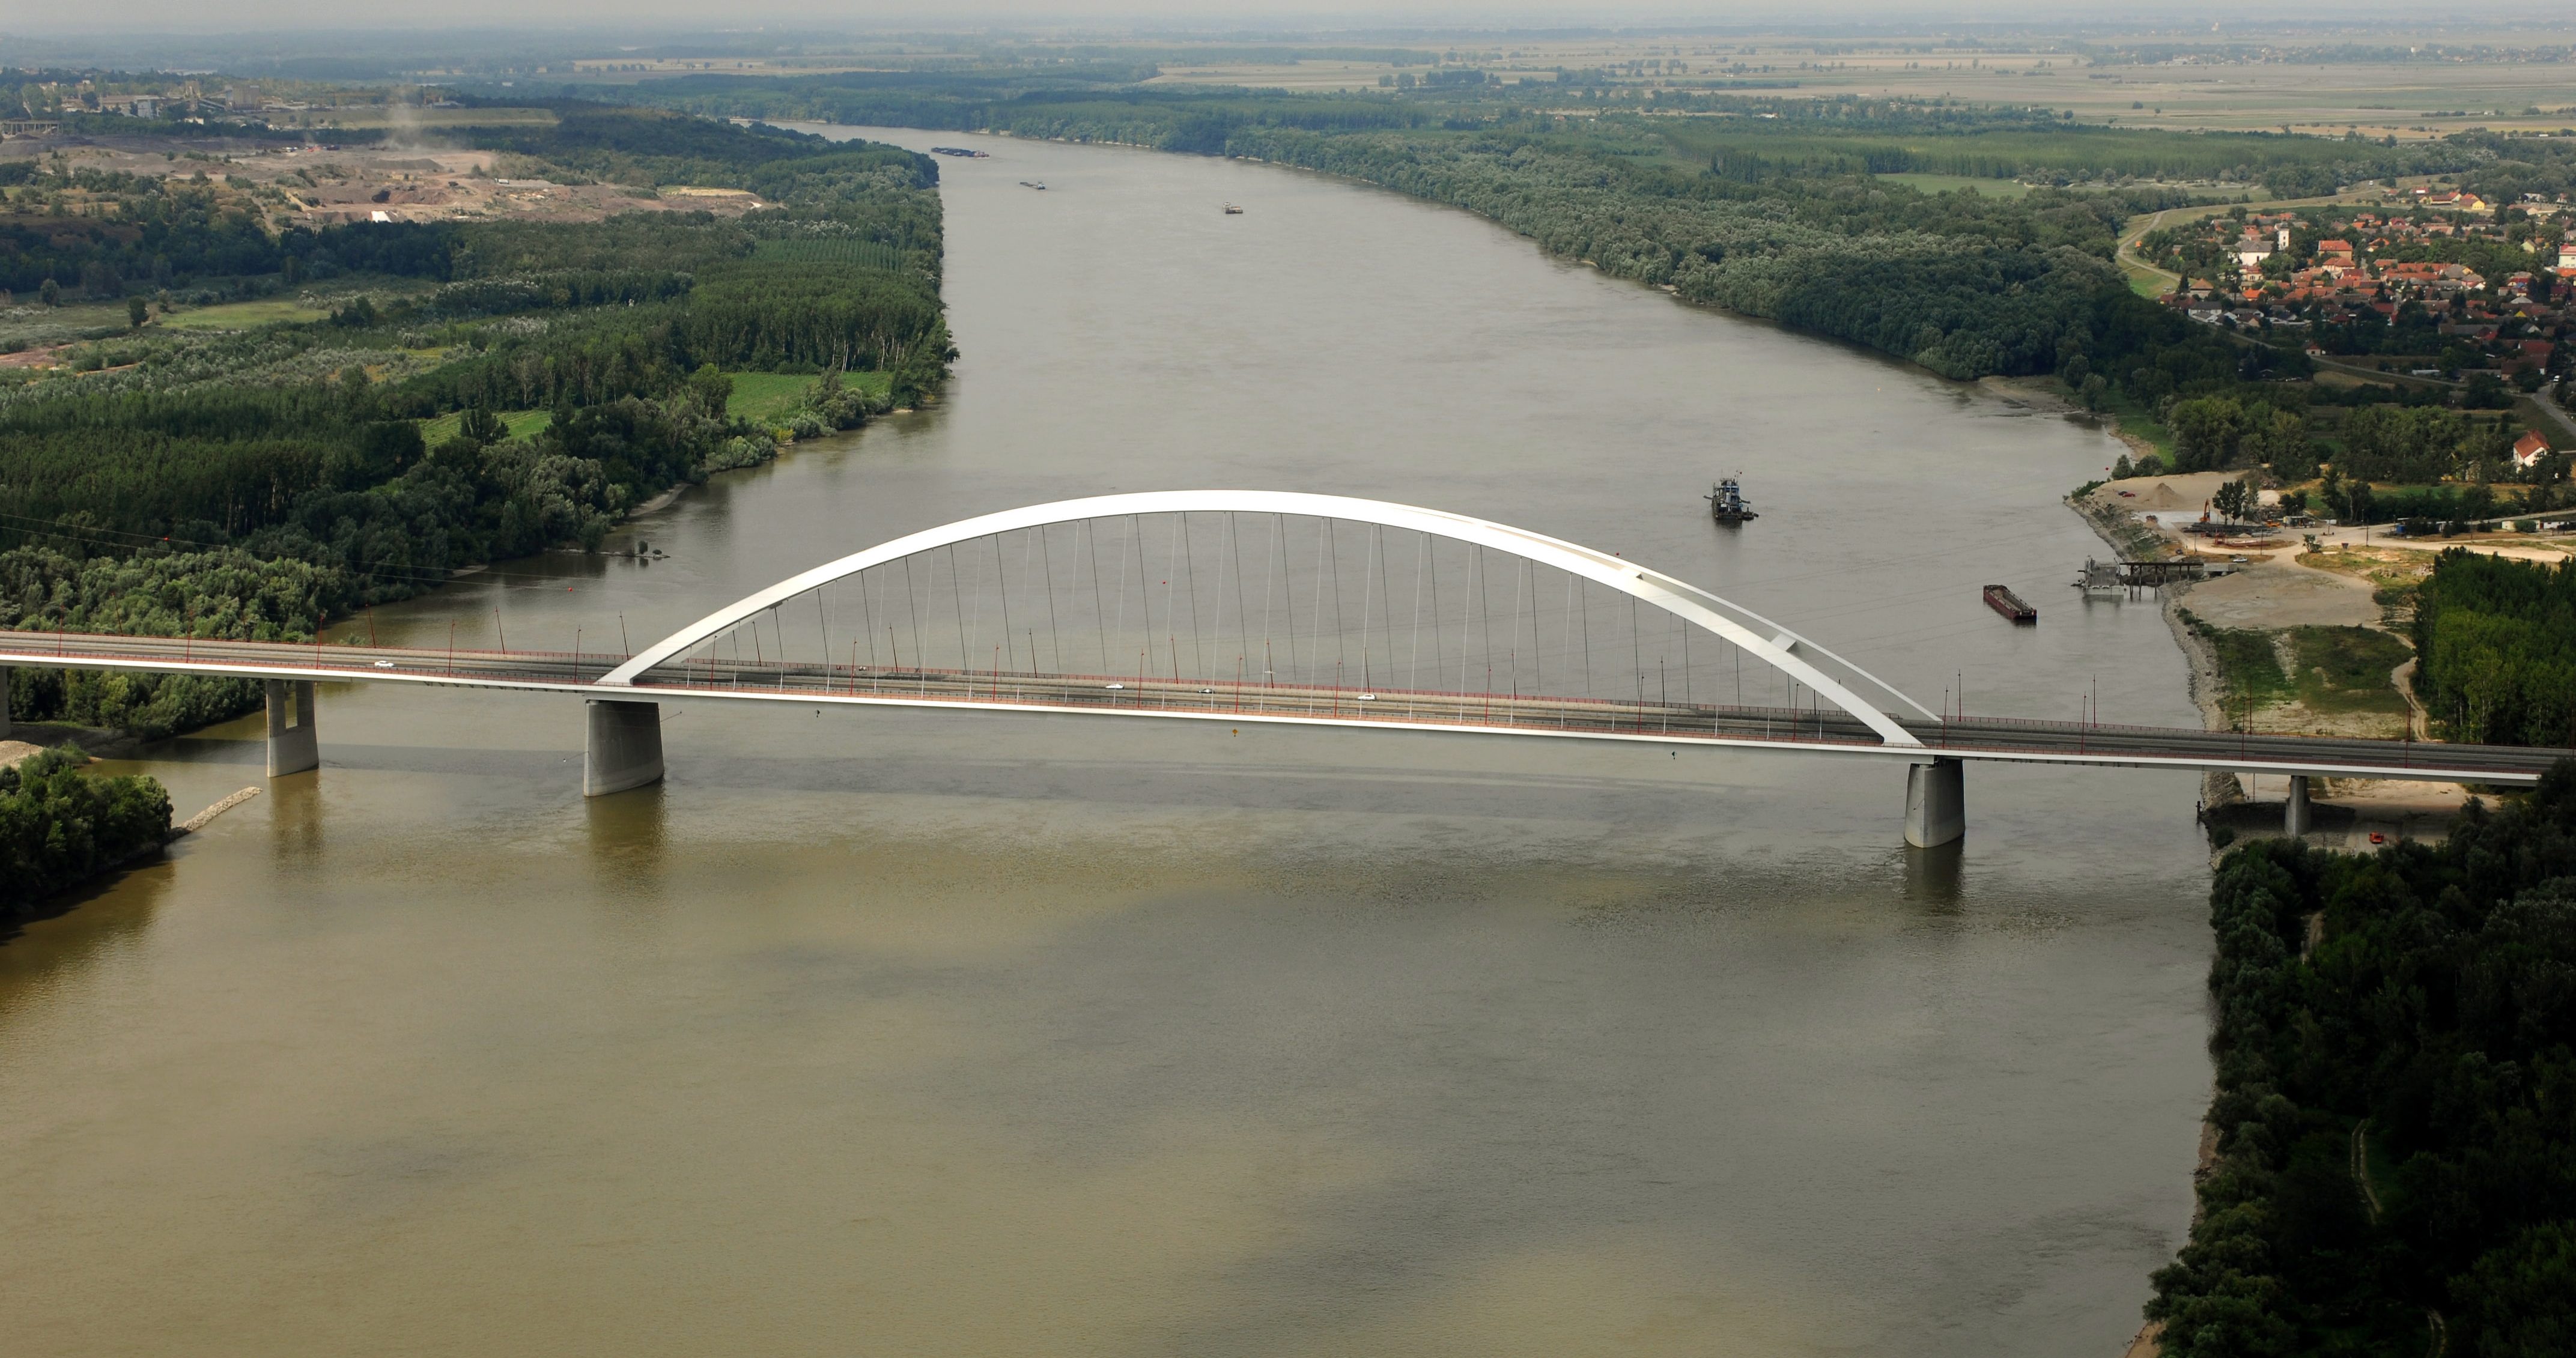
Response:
column 1726, row 503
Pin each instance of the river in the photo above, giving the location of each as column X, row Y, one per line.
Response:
column 973, row 1034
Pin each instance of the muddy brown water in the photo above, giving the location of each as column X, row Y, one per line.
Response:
column 972, row 1034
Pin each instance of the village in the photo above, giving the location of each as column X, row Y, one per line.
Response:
column 2438, row 284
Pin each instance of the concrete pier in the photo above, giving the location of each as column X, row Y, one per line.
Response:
column 2294, row 814
column 624, row 749
column 1936, row 803
column 296, row 748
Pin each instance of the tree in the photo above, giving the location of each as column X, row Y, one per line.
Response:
column 2238, row 499
column 482, row 427
column 136, row 312
column 51, row 292
column 712, row 389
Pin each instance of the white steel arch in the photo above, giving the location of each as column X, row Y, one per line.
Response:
column 1756, row 635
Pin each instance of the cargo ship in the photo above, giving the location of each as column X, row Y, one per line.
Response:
column 2001, row 599
column 1726, row 503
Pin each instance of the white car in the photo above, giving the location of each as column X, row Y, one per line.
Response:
column 1113, row 686
column 384, row 664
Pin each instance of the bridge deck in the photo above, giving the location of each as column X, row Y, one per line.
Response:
column 1645, row 719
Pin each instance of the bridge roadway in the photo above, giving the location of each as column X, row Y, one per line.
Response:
column 1644, row 719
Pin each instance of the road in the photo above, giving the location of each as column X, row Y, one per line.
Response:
column 1643, row 718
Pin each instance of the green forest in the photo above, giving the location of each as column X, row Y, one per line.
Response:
column 2497, row 645
column 2396, row 1099
column 254, row 484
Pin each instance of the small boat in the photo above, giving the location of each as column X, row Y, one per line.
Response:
column 961, row 152
column 1038, row 184
column 1232, row 211
column 2001, row 599
column 1726, row 503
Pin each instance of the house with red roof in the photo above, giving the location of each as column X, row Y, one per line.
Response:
column 2529, row 449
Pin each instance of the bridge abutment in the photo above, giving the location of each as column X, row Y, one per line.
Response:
column 296, row 748
column 1936, row 803
column 624, row 749
column 2294, row 813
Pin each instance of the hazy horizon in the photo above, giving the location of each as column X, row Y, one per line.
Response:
column 272, row 20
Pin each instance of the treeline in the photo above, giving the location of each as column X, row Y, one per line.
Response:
column 60, row 827
column 2396, row 1099
column 2392, row 435
column 2496, row 647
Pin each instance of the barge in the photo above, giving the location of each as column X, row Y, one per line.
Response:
column 2001, row 599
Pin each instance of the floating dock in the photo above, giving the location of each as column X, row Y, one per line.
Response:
column 2133, row 576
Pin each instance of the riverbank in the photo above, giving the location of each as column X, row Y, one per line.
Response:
column 2275, row 643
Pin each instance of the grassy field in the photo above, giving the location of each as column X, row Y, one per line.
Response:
column 2344, row 670
column 2306, row 677
column 243, row 315
column 2144, row 281
column 520, row 423
column 2249, row 667
column 36, row 327
column 766, row 397
column 771, row 397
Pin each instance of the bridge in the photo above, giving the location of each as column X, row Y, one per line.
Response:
column 1144, row 606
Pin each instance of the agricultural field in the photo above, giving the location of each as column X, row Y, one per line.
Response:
column 2245, row 80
